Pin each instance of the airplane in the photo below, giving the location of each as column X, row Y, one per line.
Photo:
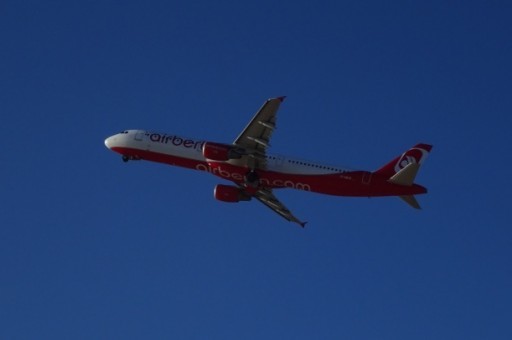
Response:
column 255, row 173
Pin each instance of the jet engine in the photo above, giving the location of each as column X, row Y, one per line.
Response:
column 229, row 193
column 221, row 152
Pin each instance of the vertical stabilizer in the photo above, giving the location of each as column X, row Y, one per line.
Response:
column 417, row 154
column 403, row 169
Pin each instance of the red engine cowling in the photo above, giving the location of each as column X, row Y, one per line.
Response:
column 220, row 152
column 229, row 193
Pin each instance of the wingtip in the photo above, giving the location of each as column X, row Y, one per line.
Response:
column 303, row 224
column 281, row 99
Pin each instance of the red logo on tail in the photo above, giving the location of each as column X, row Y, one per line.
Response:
column 414, row 155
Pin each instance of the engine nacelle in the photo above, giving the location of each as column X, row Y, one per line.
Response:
column 221, row 152
column 229, row 193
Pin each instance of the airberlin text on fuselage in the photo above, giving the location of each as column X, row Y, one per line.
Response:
column 177, row 141
column 236, row 177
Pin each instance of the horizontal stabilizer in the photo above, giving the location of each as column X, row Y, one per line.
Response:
column 405, row 176
column 411, row 200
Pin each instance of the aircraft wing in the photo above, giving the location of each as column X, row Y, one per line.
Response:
column 266, row 197
column 255, row 138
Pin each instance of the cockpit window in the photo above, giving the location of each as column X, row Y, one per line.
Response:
column 123, row 132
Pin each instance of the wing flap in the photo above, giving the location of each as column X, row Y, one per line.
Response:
column 267, row 198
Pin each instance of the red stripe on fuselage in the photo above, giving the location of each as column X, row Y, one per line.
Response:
column 353, row 183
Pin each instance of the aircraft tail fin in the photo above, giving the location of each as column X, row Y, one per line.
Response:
column 403, row 169
column 415, row 155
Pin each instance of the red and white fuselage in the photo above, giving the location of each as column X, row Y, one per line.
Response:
column 281, row 172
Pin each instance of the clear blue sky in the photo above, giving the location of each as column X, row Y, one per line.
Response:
column 92, row 248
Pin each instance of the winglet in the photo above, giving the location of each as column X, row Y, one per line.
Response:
column 302, row 224
column 281, row 99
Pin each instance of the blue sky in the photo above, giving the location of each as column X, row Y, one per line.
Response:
column 92, row 248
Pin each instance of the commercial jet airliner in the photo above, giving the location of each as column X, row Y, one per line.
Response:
column 256, row 173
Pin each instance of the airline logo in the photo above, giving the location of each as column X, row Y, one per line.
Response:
column 414, row 155
column 176, row 141
column 239, row 178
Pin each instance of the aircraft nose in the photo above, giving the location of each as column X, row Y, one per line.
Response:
column 109, row 142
